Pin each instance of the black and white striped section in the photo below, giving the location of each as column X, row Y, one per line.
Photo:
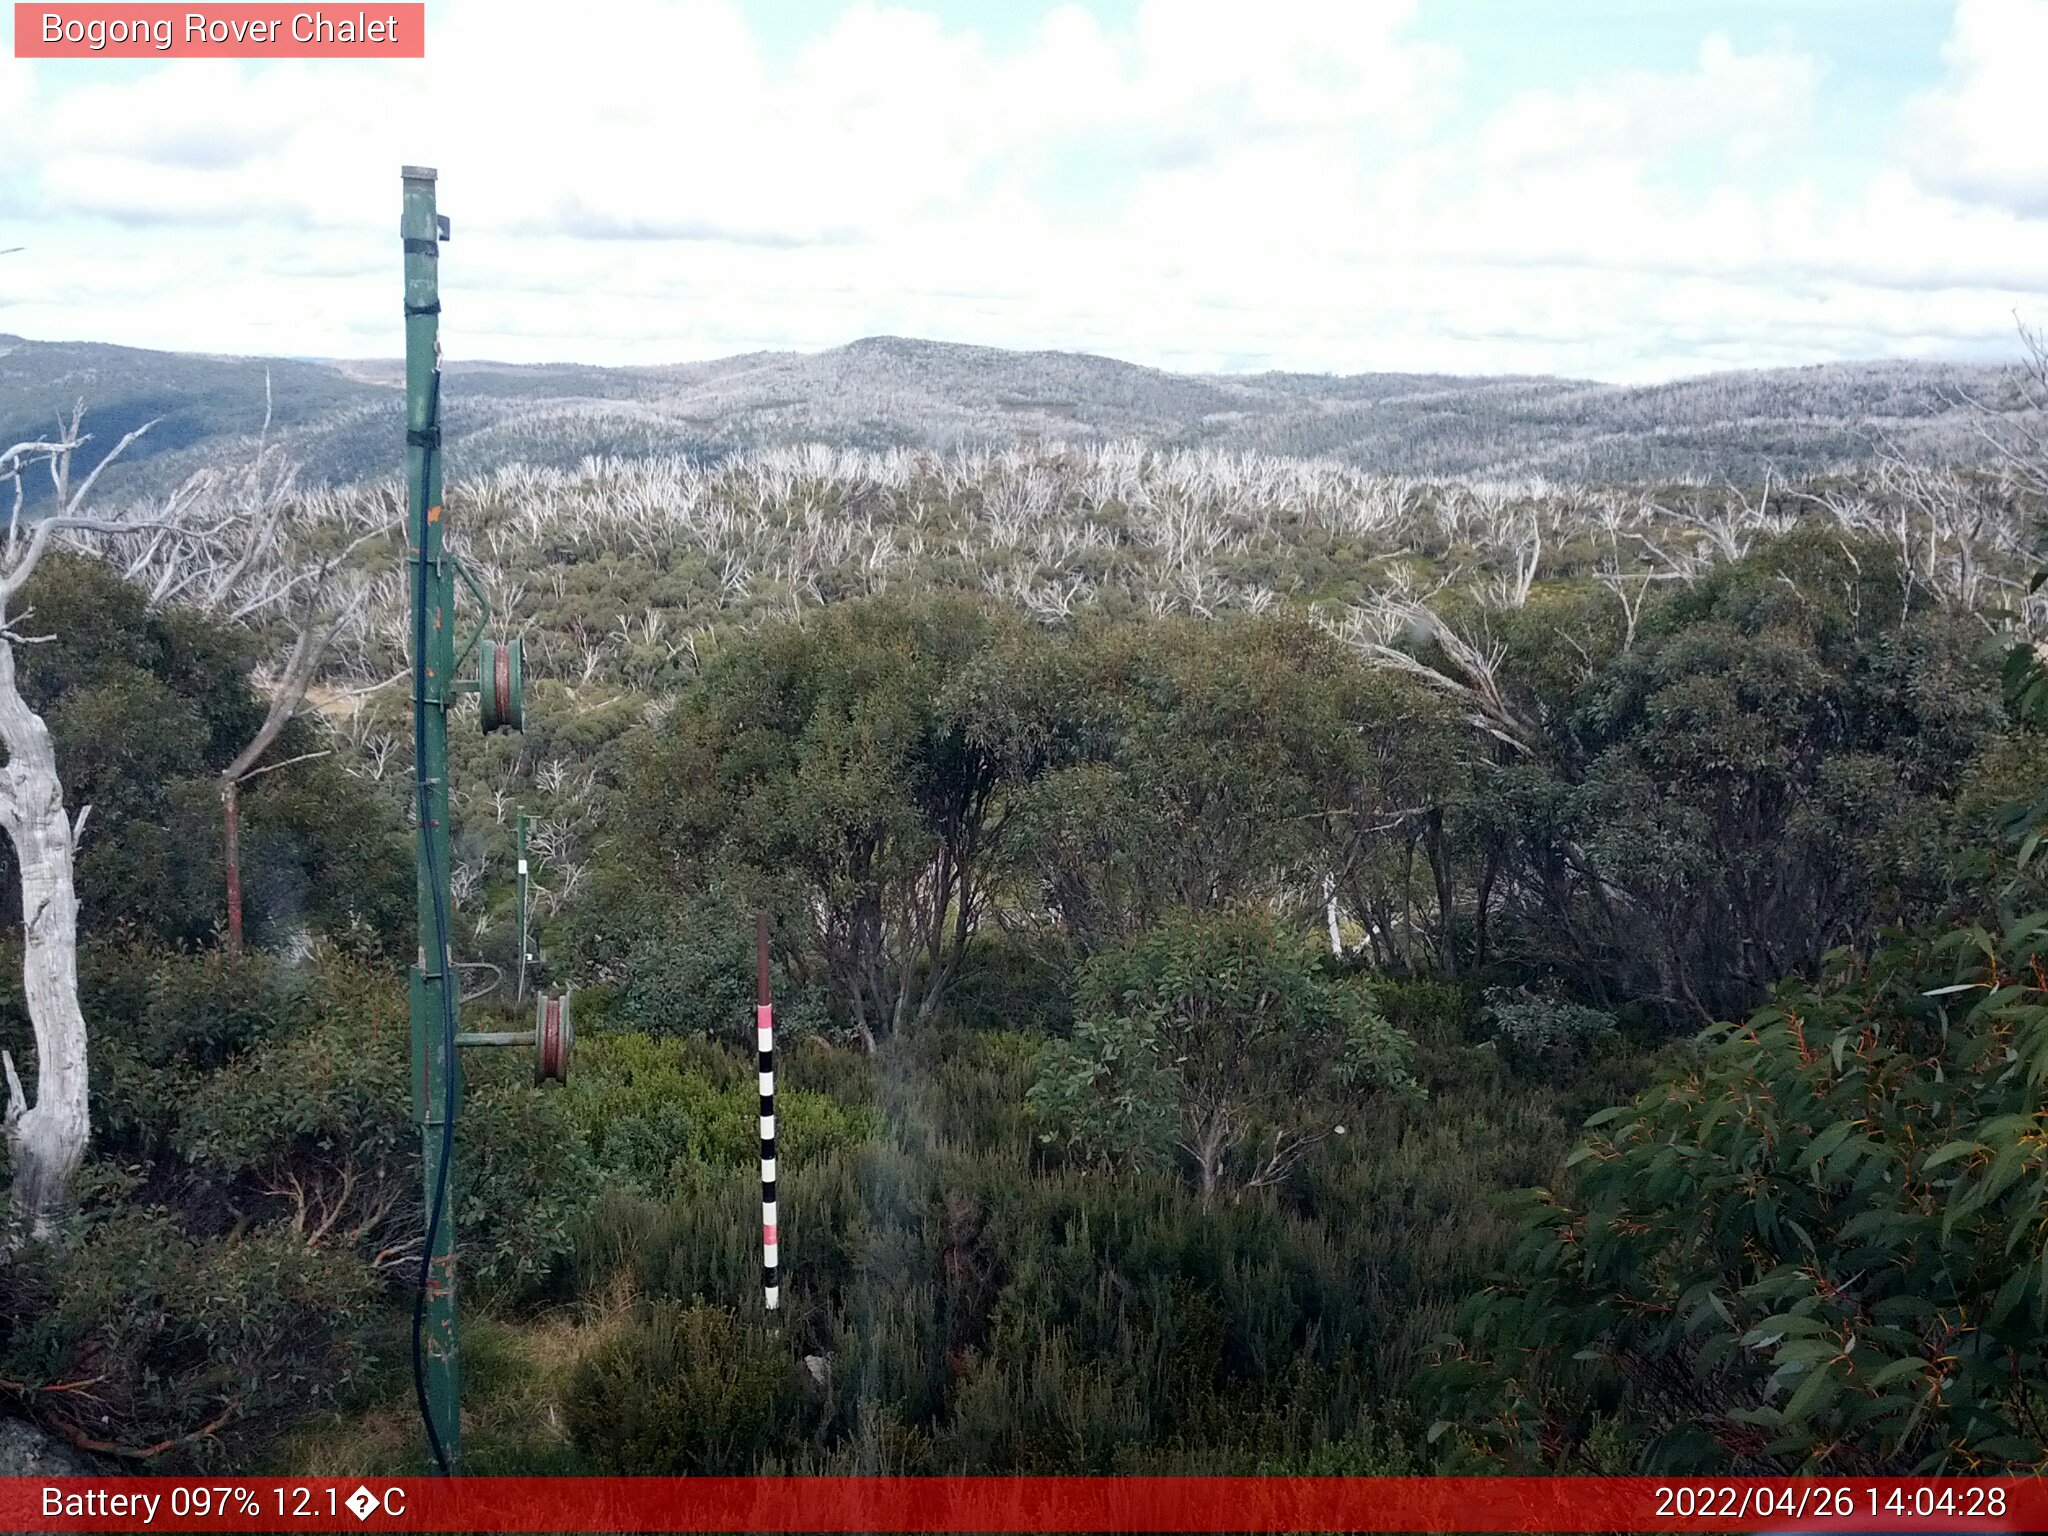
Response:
column 764, row 1043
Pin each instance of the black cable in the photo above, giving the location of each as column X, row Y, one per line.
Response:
column 419, row 756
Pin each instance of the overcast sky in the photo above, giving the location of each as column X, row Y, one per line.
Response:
column 1591, row 187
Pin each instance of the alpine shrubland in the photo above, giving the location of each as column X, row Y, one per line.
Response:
column 1284, row 969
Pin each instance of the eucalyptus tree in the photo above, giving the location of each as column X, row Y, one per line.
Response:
column 850, row 774
column 1210, row 762
column 1214, row 1042
column 1755, row 775
column 1814, row 1245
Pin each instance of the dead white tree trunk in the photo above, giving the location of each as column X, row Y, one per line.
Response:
column 48, row 1137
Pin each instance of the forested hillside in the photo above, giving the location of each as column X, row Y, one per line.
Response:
column 1284, row 966
column 884, row 392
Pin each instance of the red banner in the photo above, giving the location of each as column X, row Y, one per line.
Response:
column 374, row 31
column 990, row 1504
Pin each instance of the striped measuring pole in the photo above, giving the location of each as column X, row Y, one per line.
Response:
column 764, row 1041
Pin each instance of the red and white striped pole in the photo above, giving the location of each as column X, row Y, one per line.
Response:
column 764, row 1041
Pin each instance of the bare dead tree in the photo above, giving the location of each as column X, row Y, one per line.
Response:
column 1470, row 673
column 2015, row 430
column 1629, row 589
column 1522, row 542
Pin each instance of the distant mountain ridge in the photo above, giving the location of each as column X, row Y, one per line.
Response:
column 342, row 419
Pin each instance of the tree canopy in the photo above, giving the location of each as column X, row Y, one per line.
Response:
column 1215, row 1041
column 145, row 706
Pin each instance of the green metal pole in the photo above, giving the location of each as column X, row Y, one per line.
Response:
column 433, row 981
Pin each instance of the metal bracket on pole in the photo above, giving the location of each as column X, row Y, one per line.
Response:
column 550, row 1039
column 483, row 617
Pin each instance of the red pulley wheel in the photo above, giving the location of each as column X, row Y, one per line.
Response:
column 499, row 686
column 501, row 680
column 553, row 1036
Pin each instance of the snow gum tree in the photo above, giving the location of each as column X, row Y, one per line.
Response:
column 47, row 1136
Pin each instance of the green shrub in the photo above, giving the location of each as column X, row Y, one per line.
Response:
column 977, row 1310
column 1817, row 1245
column 524, row 1179
column 685, row 1390
column 1216, row 1038
column 1545, row 1035
column 324, row 1099
column 1015, row 981
column 681, row 966
column 315, row 1128
column 324, row 850
column 655, row 1111
column 145, row 705
column 159, row 1022
column 131, row 1334
column 1433, row 1011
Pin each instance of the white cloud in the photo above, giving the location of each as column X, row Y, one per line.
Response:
column 1743, row 104
column 1206, row 186
column 1978, row 136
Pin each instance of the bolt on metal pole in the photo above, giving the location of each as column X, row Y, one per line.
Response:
column 434, row 997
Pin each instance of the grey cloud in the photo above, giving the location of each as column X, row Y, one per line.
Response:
column 1966, row 270
column 148, row 216
column 2025, row 196
column 211, row 147
column 573, row 217
column 1184, row 150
